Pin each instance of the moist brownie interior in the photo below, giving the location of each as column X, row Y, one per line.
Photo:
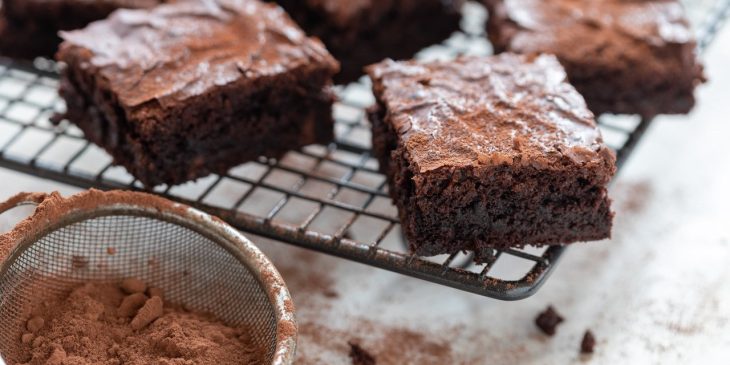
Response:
column 624, row 57
column 187, row 89
column 490, row 152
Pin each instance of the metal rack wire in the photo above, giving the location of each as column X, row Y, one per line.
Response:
column 330, row 199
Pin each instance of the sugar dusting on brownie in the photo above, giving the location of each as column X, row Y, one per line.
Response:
column 520, row 104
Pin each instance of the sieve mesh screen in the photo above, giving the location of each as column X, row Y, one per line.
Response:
column 193, row 270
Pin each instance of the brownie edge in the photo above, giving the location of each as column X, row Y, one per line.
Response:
column 29, row 28
column 209, row 87
column 490, row 152
column 624, row 57
column 359, row 33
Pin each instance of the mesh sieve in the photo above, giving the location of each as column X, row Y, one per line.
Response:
column 199, row 262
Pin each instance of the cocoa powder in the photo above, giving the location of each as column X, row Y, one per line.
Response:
column 100, row 323
column 381, row 344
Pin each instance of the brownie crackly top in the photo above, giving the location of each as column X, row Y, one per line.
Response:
column 554, row 22
column 477, row 112
column 177, row 51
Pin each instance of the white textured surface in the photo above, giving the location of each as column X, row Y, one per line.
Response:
column 658, row 293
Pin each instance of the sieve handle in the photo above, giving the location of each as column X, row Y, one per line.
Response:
column 23, row 199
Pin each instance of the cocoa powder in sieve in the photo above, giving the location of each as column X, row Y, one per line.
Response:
column 103, row 324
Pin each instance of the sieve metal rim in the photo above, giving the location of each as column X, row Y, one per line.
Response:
column 54, row 211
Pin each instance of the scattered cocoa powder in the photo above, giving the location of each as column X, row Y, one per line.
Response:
column 399, row 344
column 307, row 274
column 387, row 345
column 99, row 323
column 632, row 197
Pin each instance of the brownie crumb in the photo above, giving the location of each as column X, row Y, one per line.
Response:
column 588, row 343
column 359, row 356
column 330, row 293
column 548, row 320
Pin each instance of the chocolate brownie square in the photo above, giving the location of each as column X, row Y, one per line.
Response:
column 362, row 32
column 29, row 27
column 624, row 57
column 183, row 90
column 490, row 152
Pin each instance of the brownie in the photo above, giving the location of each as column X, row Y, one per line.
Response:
column 361, row 32
column 490, row 152
column 25, row 42
column 183, row 90
column 624, row 57
column 29, row 27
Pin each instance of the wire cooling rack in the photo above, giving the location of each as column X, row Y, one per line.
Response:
column 330, row 199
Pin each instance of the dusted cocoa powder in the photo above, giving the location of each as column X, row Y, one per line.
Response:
column 127, row 323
